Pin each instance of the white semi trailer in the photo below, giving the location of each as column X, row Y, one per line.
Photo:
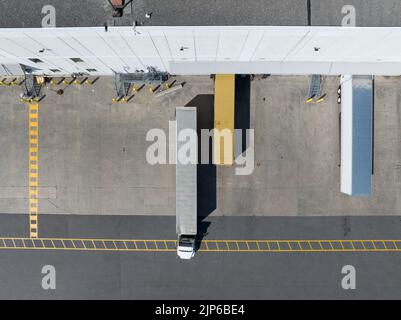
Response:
column 186, row 183
column 357, row 103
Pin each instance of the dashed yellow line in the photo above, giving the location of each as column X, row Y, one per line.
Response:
column 222, row 246
column 33, row 169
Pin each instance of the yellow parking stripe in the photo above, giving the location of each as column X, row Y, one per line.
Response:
column 162, row 245
column 33, row 169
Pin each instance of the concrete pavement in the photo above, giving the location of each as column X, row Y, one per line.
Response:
column 92, row 153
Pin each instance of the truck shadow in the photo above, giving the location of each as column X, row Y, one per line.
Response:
column 242, row 117
column 206, row 173
column 203, row 227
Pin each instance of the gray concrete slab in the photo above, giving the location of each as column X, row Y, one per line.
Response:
column 93, row 153
column 297, row 154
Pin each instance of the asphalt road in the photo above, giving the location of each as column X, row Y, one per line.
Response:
column 130, row 275
column 221, row 227
column 209, row 276
column 28, row 13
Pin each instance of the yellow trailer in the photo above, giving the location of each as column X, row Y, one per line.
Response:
column 224, row 110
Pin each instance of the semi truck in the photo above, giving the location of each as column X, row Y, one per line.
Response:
column 186, row 185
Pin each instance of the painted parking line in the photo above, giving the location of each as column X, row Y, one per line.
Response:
column 159, row 245
column 33, row 169
column 87, row 244
column 301, row 246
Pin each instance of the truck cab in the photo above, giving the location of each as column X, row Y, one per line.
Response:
column 186, row 246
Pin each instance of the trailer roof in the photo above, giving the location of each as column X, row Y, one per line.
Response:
column 186, row 175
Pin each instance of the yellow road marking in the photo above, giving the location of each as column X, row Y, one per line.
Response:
column 33, row 169
column 140, row 245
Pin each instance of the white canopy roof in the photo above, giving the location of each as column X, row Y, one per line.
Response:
column 205, row 50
